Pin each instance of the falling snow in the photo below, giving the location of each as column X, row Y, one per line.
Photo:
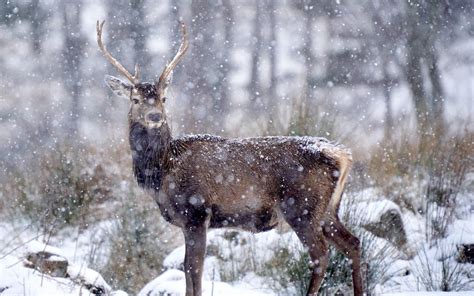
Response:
column 388, row 84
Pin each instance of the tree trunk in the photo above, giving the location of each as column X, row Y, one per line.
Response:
column 139, row 33
column 255, row 79
column 308, row 55
column 72, row 61
column 202, row 68
column 436, row 95
column 415, row 81
column 272, row 99
column 388, row 125
column 435, row 13
column 416, row 43
column 37, row 19
column 424, row 24
column 228, row 20
column 381, row 36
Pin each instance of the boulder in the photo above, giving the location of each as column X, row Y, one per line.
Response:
column 48, row 263
column 389, row 226
column 465, row 253
column 46, row 259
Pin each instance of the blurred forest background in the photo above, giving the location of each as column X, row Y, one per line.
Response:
column 355, row 72
column 392, row 80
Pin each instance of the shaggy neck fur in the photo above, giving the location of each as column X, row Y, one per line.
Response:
column 150, row 154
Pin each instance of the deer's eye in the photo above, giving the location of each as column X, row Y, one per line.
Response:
column 135, row 101
column 163, row 99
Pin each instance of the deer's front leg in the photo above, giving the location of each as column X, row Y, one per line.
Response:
column 195, row 240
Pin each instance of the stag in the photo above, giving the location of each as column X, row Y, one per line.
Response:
column 203, row 181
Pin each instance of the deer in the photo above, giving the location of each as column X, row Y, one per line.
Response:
column 201, row 182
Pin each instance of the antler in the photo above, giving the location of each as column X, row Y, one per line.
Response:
column 133, row 79
column 161, row 83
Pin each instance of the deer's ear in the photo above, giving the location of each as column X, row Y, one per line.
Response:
column 119, row 87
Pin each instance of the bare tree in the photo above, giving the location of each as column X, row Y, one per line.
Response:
column 423, row 22
column 257, row 45
column 139, row 32
column 225, row 62
column 203, row 63
column 386, row 39
column 273, row 45
column 308, row 50
column 435, row 14
column 37, row 17
column 72, row 55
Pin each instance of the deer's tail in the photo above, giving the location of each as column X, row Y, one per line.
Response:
column 343, row 158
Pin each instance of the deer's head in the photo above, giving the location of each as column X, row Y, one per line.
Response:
column 147, row 99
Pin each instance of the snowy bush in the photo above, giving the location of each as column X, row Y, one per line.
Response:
column 139, row 240
column 449, row 170
column 406, row 170
column 289, row 270
column 436, row 269
column 59, row 187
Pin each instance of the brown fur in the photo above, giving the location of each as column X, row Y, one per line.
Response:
column 246, row 183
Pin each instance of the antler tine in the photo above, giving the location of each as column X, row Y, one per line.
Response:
column 177, row 58
column 137, row 72
column 133, row 79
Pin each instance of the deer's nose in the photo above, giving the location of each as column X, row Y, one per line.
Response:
column 154, row 117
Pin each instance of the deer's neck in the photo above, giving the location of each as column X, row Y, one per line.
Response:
column 150, row 153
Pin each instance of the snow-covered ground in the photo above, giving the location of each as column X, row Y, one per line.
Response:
column 17, row 279
column 237, row 262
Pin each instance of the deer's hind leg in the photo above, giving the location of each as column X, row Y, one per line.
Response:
column 344, row 241
column 318, row 251
column 308, row 229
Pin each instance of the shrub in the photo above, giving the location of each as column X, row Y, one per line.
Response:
column 288, row 269
column 449, row 166
column 405, row 170
column 436, row 269
column 137, row 244
column 59, row 188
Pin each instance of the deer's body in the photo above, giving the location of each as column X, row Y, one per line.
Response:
column 202, row 182
column 246, row 183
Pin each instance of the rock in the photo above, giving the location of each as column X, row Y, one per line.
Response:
column 56, row 265
column 465, row 253
column 48, row 263
column 390, row 227
column 90, row 279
